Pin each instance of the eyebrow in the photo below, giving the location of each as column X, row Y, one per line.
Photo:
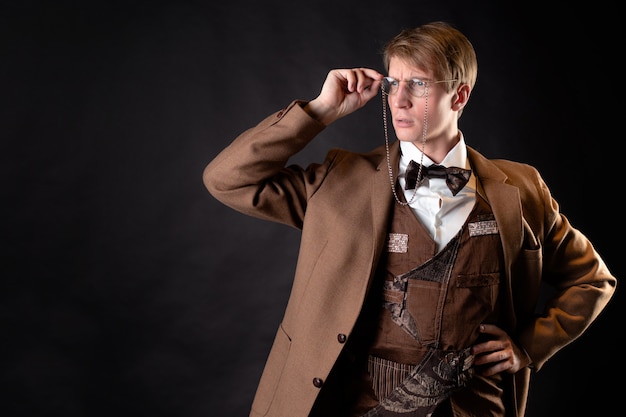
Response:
column 410, row 78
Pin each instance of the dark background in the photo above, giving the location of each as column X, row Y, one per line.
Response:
column 128, row 290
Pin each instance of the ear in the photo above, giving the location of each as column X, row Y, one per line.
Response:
column 461, row 97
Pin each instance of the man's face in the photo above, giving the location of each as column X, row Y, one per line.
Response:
column 413, row 94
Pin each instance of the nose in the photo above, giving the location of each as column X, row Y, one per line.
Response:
column 402, row 97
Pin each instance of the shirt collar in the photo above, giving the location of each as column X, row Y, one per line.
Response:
column 457, row 156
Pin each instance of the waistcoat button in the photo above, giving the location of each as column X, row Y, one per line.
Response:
column 342, row 338
column 318, row 382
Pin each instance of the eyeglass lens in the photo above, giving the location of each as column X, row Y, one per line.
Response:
column 415, row 86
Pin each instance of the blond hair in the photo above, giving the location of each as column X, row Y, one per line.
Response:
column 439, row 47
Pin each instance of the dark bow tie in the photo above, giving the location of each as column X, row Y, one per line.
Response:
column 455, row 177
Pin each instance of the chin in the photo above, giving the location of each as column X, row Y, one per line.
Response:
column 406, row 135
column 409, row 139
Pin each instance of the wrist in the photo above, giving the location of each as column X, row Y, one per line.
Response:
column 318, row 112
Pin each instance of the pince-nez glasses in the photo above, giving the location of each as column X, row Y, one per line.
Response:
column 415, row 86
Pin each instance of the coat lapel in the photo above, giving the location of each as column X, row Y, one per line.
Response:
column 505, row 202
column 381, row 195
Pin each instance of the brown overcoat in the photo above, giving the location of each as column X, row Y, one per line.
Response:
column 342, row 207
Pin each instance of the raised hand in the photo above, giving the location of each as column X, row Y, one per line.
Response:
column 343, row 92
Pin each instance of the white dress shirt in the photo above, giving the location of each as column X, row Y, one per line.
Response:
column 434, row 205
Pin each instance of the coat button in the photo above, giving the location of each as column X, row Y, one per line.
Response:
column 318, row 382
column 342, row 338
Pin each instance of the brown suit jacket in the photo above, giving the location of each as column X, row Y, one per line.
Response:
column 342, row 207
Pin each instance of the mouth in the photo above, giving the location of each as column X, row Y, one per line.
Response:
column 401, row 122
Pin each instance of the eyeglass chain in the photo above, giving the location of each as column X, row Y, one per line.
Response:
column 419, row 172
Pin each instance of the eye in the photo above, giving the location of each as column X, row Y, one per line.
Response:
column 392, row 82
column 415, row 83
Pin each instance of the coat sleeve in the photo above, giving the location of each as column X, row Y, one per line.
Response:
column 580, row 281
column 250, row 175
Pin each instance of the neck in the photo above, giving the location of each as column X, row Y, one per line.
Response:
column 438, row 148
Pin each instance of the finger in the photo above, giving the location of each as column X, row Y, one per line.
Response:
column 495, row 369
column 491, row 329
column 372, row 73
column 363, row 81
column 367, row 78
column 354, row 81
column 492, row 357
column 370, row 88
column 489, row 346
column 490, row 366
column 351, row 80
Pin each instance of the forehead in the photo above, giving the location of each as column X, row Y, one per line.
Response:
column 402, row 69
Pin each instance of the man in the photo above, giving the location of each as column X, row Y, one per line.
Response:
column 416, row 289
